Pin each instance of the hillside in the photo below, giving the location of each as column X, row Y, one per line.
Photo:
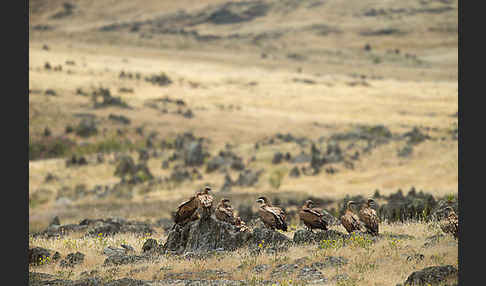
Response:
column 290, row 99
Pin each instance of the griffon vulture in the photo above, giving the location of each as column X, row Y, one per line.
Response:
column 205, row 202
column 451, row 223
column 350, row 220
column 369, row 217
column 186, row 211
column 272, row 217
column 312, row 217
column 224, row 212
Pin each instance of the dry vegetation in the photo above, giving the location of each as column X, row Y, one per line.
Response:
column 301, row 67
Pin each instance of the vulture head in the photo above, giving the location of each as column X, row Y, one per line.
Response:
column 262, row 200
column 309, row 204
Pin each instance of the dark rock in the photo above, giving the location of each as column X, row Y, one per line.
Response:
column 122, row 259
column 330, row 261
column 305, row 236
column 37, row 254
column 110, row 250
column 283, row 270
column 205, row 235
column 261, row 268
column 72, row 259
column 150, row 245
column 433, row 275
column 311, row 275
column 113, row 226
column 270, row 237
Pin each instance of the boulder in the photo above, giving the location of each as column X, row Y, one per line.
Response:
column 37, row 254
column 72, row 259
column 203, row 236
column 305, row 236
column 433, row 275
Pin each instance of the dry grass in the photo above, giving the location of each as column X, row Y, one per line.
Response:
column 268, row 97
column 381, row 263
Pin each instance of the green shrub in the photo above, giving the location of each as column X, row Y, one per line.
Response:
column 49, row 147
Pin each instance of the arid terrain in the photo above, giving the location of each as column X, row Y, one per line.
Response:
column 134, row 106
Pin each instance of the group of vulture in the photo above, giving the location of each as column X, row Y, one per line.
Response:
column 273, row 217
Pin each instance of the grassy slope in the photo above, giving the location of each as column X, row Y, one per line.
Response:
column 401, row 93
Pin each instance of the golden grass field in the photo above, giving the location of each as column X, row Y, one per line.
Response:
column 245, row 89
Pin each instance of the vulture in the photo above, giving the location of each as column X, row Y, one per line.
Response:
column 224, row 212
column 272, row 217
column 205, row 202
column 369, row 217
column 186, row 211
column 451, row 223
column 350, row 220
column 312, row 217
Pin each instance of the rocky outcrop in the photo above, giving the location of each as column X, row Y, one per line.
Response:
column 433, row 275
column 204, row 235
column 305, row 236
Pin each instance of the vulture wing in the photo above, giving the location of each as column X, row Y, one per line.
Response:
column 225, row 214
column 186, row 210
column 370, row 219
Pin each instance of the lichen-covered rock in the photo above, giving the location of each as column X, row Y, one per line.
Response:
column 303, row 236
column 203, row 236
column 72, row 259
column 432, row 276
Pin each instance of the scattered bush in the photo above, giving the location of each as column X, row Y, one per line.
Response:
column 49, row 147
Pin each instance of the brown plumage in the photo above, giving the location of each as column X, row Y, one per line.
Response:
column 312, row 217
column 272, row 217
column 205, row 202
column 224, row 212
column 240, row 225
column 186, row 211
column 451, row 223
column 369, row 217
column 350, row 220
